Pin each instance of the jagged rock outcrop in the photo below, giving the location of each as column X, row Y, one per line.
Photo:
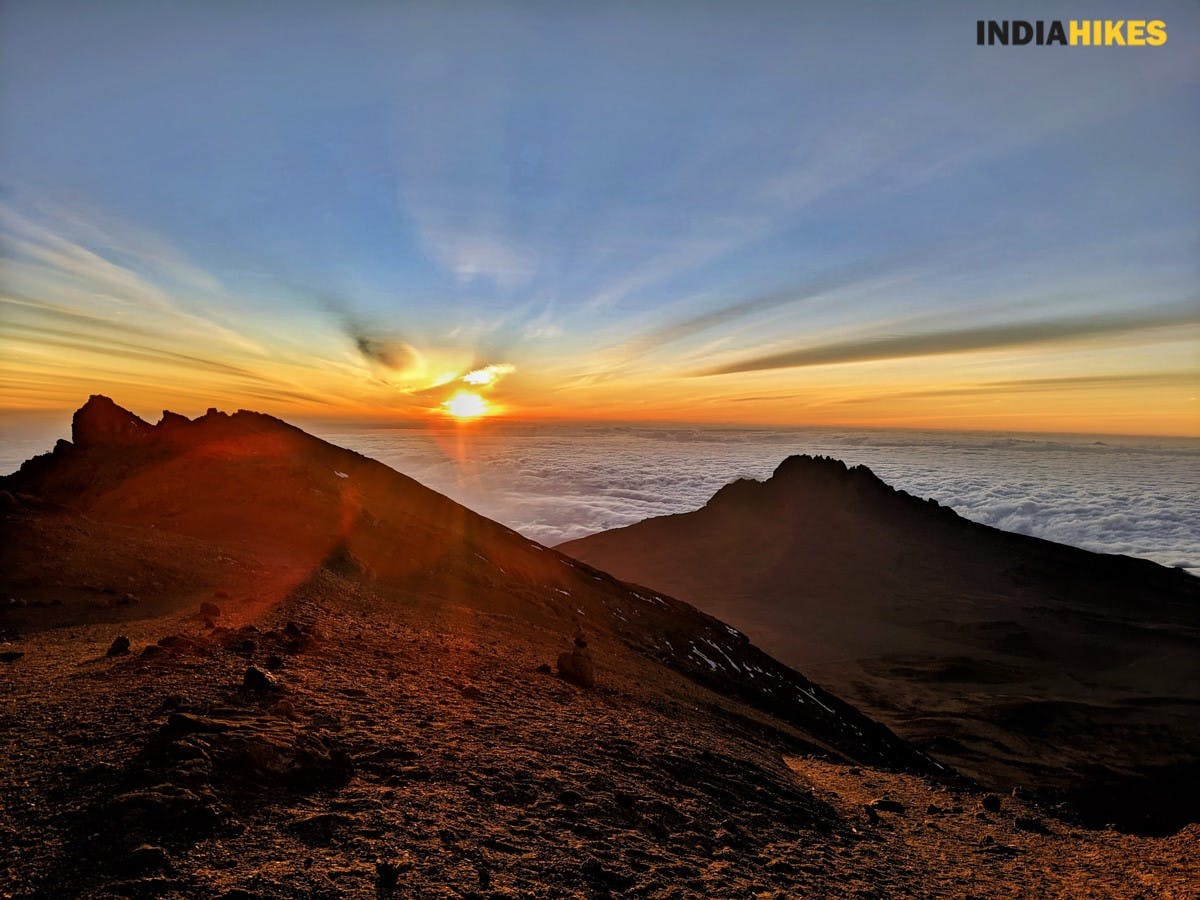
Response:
column 100, row 421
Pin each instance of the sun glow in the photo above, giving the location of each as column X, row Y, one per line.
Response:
column 465, row 405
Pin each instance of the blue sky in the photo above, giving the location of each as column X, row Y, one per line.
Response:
column 350, row 205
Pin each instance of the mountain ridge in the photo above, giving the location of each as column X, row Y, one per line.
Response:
column 186, row 472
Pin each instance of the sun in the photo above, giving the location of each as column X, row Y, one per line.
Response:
column 465, row 405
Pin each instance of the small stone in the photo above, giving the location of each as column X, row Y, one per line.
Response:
column 470, row 691
column 544, row 669
column 284, row 709
column 10, row 656
column 991, row 803
column 886, row 804
column 274, row 662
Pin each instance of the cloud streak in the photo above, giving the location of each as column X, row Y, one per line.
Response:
column 963, row 340
column 1033, row 385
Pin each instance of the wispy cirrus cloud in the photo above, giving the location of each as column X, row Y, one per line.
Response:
column 489, row 256
column 76, row 302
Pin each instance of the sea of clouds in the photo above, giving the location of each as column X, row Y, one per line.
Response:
column 1139, row 496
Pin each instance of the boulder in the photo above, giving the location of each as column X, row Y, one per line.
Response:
column 119, row 646
column 576, row 667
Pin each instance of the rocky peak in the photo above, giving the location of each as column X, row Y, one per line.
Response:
column 101, row 422
column 802, row 465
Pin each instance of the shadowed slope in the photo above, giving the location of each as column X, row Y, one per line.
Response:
column 1018, row 660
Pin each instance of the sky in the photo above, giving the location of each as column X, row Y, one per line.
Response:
column 758, row 213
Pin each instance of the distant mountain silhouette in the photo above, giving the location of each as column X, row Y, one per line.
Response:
column 1018, row 660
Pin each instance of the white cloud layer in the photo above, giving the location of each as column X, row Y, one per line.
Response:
column 553, row 483
column 1136, row 496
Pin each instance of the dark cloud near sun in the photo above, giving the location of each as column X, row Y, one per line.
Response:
column 375, row 344
column 983, row 337
column 388, row 352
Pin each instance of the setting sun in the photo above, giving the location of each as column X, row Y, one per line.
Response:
column 465, row 405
